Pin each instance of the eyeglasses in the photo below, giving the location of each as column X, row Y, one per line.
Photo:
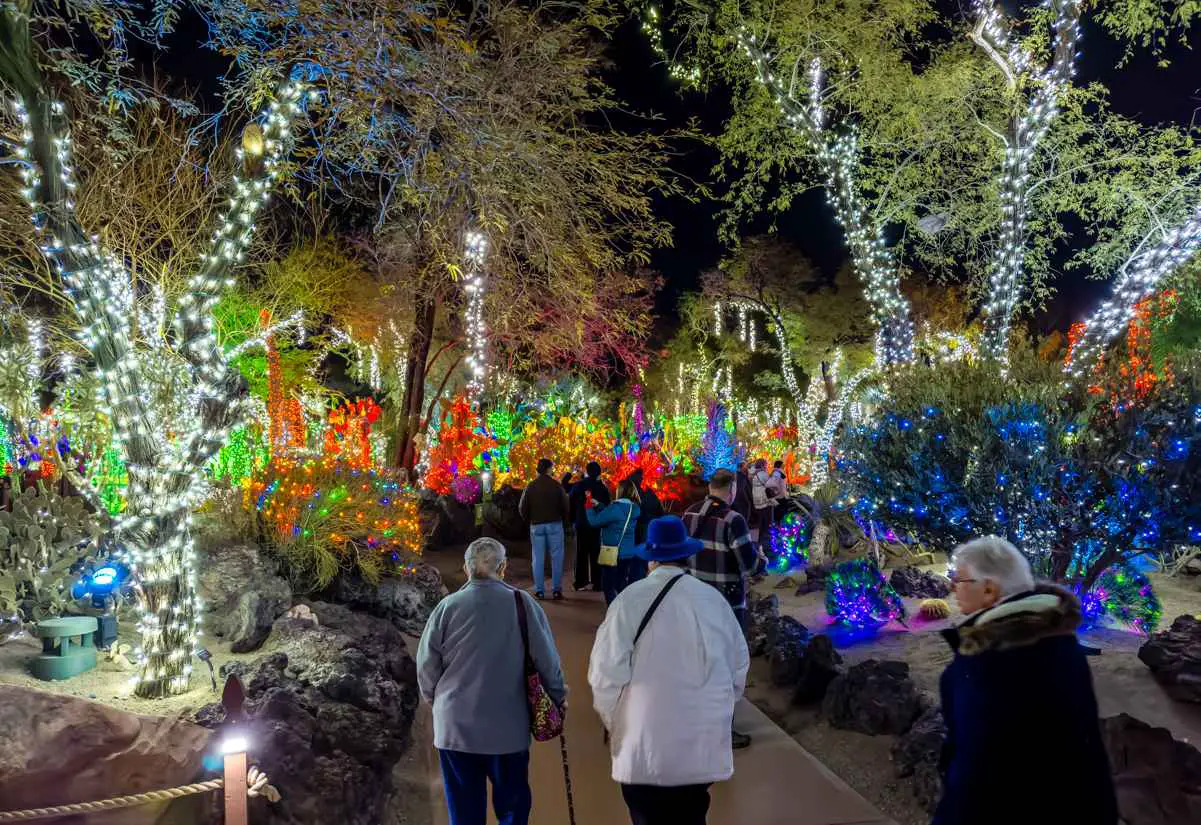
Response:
column 955, row 581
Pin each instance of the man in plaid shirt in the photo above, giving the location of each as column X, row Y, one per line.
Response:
column 728, row 556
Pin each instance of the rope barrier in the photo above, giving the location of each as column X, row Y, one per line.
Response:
column 113, row 804
column 256, row 779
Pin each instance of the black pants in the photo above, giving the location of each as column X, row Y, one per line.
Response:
column 656, row 805
column 587, row 556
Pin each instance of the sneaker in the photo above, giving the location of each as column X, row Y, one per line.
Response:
column 739, row 740
column 557, row 596
column 539, row 595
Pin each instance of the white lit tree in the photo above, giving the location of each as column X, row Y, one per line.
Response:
column 836, row 155
column 1034, row 90
column 167, row 387
column 1160, row 255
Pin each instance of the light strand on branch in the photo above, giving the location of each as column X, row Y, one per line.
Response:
column 837, row 158
column 1027, row 129
column 475, row 253
column 166, row 443
column 1138, row 279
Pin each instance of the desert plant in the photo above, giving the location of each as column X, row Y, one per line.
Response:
column 322, row 517
column 42, row 540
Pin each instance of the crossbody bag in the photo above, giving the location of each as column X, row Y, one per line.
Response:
column 610, row 552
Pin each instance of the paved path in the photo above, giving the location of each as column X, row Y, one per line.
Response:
column 776, row 782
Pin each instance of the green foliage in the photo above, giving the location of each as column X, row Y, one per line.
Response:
column 1148, row 24
column 42, row 539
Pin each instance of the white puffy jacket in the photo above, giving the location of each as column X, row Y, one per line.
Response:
column 668, row 705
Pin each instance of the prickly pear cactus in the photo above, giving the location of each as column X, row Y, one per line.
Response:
column 43, row 537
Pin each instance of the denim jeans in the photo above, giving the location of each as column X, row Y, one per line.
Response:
column 547, row 537
column 465, row 778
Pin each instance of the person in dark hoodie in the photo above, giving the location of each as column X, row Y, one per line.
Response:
column 1018, row 701
column 650, row 508
column 587, row 537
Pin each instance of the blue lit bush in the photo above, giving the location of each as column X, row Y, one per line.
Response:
column 1079, row 482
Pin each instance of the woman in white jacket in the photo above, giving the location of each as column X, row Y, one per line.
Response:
column 668, row 665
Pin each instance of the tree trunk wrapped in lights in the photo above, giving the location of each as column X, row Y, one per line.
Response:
column 837, row 158
column 166, row 443
column 1156, row 259
column 1037, row 92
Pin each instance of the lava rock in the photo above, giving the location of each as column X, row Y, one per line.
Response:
column 915, row 583
column 62, row 749
column 232, row 668
column 819, row 669
column 330, row 708
column 406, row 601
column 1174, row 657
column 762, row 623
column 242, row 594
column 1157, row 778
column 501, row 517
column 815, row 578
column 788, row 651
column 874, row 697
column 916, row 755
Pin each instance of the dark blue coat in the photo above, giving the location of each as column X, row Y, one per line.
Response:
column 1023, row 742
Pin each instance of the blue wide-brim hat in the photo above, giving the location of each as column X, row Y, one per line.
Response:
column 667, row 540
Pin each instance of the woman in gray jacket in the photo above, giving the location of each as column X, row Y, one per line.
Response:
column 470, row 668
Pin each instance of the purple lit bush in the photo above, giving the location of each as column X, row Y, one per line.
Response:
column 858, row 596
column 466, row 489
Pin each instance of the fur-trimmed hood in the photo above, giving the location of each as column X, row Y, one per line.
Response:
column 1025, row 619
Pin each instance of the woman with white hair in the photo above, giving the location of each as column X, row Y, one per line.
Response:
column 470, row 667
column 1018, row 701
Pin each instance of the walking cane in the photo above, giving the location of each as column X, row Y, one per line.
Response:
column 567, row 779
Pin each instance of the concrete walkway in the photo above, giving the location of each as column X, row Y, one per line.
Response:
column 776, row 782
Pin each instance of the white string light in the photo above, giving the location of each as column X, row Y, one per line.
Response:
column 475, row 253
column 167, row 438
column 1027, row 130
column 837, row 158
column 1138, row 279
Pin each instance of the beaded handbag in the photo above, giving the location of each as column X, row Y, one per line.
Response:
column 546, row 719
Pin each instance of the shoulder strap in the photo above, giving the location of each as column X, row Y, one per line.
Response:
column 626, row 526
column 655, row 606
column 525, row 632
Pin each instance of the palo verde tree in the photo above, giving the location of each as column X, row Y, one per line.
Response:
column 166, row 445
column 972, row 155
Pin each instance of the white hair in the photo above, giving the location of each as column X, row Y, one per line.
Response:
column 484, row 558
column 992, row 558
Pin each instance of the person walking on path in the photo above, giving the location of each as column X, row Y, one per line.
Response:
column 470, row 668
column 668, row 665
column 586, row 492
column 764, row 492
column 617, row 522
column 1018, row 700
column 727, row 557
column 545, row 506
column 649, row 509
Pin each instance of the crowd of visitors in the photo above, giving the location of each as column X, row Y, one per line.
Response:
column 669, row 662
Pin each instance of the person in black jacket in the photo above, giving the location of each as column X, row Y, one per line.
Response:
column 587, row 537
column 544, row 504
column 651, row 509
column 1018, row 701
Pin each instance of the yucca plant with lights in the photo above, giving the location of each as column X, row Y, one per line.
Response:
column 167, row 387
